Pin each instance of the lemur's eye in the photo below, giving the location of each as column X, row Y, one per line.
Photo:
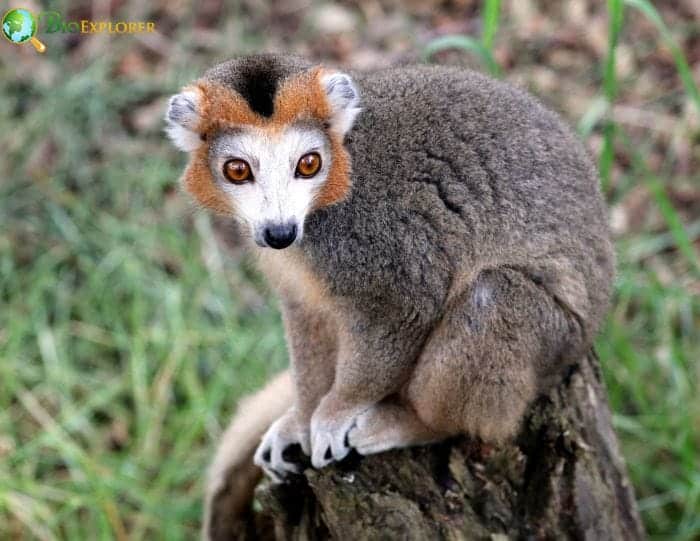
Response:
column 308, row 165
column 237, row 171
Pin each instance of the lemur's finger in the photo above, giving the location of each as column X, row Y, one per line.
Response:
column 262, row 456
column 339, row 447
column 319, row 446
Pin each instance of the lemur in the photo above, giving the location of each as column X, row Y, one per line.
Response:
column 437, row 238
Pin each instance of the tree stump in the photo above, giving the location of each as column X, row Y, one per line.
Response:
column 562, row 478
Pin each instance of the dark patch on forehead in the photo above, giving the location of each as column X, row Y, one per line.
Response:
column 257, row 78
column 258, row 84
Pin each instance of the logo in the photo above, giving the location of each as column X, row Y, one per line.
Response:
column 19, row 26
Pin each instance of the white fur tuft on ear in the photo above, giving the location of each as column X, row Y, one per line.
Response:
column 182, row 119
column 344, row 99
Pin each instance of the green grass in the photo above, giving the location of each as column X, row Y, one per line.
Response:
column 650, row 348
column 126, row 336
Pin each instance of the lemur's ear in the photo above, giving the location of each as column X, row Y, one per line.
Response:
column 182, row 120
column 343, row 98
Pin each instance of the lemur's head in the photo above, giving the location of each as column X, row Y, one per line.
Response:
column 265, row 137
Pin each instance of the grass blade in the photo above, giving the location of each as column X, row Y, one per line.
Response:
column 465, row 43
column 492, row 9
column 607, row 155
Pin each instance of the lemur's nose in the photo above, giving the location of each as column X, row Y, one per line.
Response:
column 280, row 236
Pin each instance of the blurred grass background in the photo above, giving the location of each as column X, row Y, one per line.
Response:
column 127, row 332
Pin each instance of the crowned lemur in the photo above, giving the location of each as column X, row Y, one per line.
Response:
column 438, row 241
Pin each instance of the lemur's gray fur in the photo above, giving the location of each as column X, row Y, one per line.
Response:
column 470, row 264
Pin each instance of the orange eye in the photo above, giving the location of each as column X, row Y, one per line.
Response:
column 308, row 165
column 237, row 171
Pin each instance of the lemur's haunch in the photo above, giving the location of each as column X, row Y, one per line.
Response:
column 438, row 240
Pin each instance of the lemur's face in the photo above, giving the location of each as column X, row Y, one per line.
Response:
column 272, row 179
column 267, row 170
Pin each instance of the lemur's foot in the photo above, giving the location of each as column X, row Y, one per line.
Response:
column 387, row 426
column 275, row 452
column 330, row 425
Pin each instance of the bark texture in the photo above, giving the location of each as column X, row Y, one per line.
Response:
column 563, row 478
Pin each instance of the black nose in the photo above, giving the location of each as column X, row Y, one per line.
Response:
column 280, row 236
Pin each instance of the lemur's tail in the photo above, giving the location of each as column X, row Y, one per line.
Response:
column 232, row 475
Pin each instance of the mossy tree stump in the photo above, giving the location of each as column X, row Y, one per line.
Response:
column 562, row 478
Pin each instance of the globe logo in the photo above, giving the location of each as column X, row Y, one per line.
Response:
column 19, row 26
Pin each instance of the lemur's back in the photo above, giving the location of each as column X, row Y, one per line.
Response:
column 454, row 172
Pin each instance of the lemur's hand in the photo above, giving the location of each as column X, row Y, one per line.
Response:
column 330, row 425
column 282, row 434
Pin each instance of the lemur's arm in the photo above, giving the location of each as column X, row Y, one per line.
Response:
column 312, row 346
column 376, row 353
column 312, row 341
